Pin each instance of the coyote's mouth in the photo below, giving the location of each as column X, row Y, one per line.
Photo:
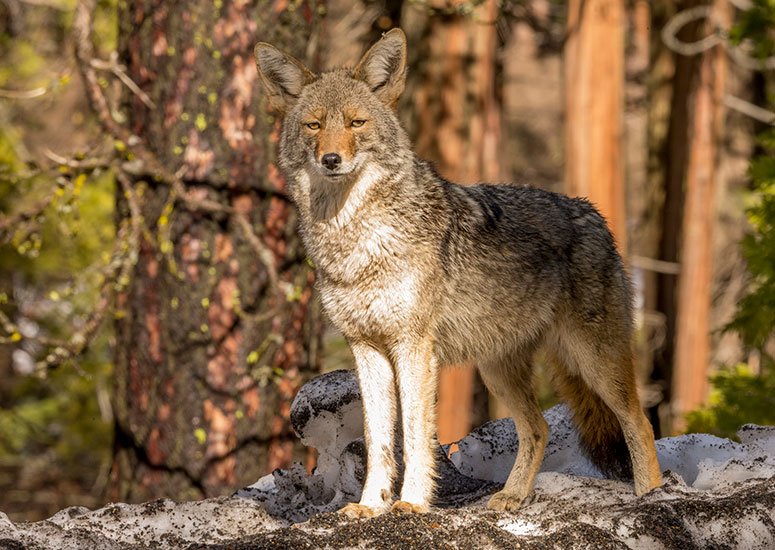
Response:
column 344, row 171
column 337, row 175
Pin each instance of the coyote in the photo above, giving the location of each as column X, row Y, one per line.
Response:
column 419, row 272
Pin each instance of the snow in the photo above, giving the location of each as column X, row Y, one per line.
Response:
column 489, row 451
column 703, row 461
column 716, row 493
column 759, row 436
column 326, row 414
column 160, row 522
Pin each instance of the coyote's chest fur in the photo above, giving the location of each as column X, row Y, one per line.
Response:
column 363, row 260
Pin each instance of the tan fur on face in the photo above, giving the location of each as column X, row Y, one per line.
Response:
column 334, row 139
column 336, row 133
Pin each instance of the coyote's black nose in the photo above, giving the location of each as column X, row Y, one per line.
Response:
column 331, row 161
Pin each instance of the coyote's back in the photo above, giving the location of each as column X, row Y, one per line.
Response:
column 419, row 272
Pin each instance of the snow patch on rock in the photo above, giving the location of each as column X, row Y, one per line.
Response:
column 716, row 493
column 327, row 414
column 160, row 524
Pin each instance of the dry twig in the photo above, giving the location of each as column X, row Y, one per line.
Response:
column 23, row 94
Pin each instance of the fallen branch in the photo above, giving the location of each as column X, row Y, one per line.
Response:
column 657, row 266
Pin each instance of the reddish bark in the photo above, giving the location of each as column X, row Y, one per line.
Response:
column 203, row 389
column 673, row 158
column 692, row 345
column 594, row 78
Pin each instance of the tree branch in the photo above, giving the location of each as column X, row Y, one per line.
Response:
column 84, row 52
column 120, row 71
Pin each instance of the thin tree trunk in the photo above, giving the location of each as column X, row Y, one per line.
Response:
column 204, row 375
column 458, row 128
column 641, row 192
column 692, row 346
column 674, row 159
column 594, row 77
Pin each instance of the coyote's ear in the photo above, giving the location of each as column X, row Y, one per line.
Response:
column 283, row 76
column 383, row 67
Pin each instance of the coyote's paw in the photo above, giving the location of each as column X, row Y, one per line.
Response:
column 506, row 502
column 355, row 510
column 403, row 507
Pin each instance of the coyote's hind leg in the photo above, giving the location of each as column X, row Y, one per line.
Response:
column 623, row 400
column 512, row 383
column 607, row 369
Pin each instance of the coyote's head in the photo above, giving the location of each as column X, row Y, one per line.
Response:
column 340, row 122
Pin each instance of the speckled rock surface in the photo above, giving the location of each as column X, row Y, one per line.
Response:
column 156, row 524
column 716, row 494
column 566, row 512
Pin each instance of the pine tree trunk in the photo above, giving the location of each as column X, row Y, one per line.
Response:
column 594, row 79
column 673, row 158
column 692, row 344
column 639, row 193
column 208, row 357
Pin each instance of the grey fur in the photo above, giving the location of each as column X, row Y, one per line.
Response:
column 419, row 272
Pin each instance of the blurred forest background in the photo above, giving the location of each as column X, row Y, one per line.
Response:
column 157, row 312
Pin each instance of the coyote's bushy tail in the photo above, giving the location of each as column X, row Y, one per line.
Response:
column 600, row 432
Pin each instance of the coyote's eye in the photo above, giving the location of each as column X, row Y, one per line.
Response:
column 313, row 125
column 357, row 123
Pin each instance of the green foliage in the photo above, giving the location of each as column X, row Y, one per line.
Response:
column 59, row 415
column 52, row 426
column 759, row 249
column 756, row 25
column 53, row 260
column 738, row 397
column 756, row 312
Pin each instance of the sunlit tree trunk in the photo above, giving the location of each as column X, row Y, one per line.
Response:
column 457, row 127
column 204, row 375
column 692, row 344
column 594, row 79
column 672, row 158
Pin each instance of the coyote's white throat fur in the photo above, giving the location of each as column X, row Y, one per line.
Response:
column 418, row 272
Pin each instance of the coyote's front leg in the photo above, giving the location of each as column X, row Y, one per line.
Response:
column 377, row 382
column 416, row 370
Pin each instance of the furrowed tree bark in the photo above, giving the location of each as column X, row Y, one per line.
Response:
column 208, row 355
column 458, row 128
column 692, row 344
column 594, row 80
